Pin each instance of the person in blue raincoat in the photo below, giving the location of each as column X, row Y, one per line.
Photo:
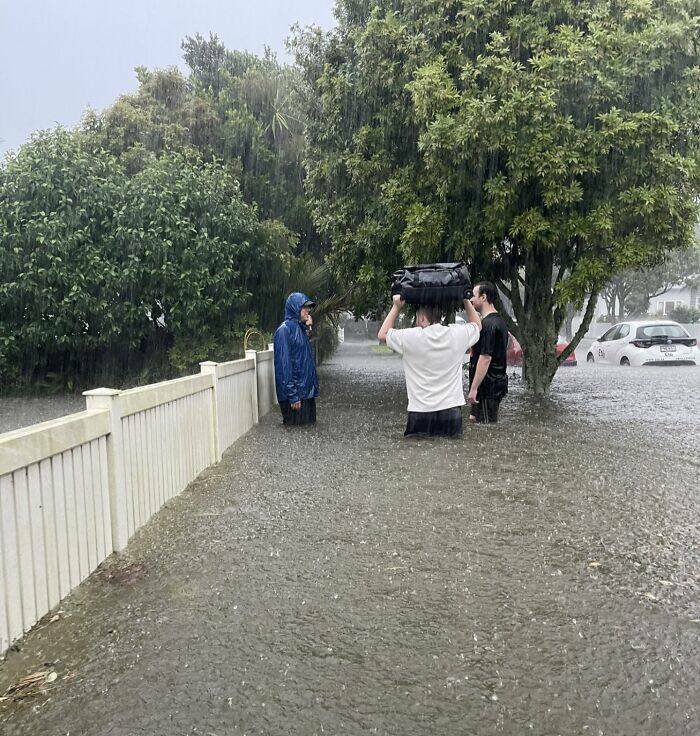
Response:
column 296, row 381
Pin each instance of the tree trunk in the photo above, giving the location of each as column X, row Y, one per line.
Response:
column 539, row 363
column 538, row 319
column 609, row 299
column 621, row 305
column 535, row 317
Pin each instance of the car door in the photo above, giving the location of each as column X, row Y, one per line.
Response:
column 617, row 343
column 602, row 352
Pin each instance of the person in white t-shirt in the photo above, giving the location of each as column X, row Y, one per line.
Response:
column 432, row 360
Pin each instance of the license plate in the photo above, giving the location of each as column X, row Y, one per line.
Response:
column 667, row 348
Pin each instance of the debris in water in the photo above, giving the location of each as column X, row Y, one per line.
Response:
column 127, row 575
column 29, row 686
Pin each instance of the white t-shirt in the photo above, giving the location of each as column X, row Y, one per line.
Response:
column 432, row 363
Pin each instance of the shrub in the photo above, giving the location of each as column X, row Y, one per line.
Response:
column 105, row 274
column 685, row 314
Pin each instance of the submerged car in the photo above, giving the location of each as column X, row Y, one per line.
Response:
column 645, row 343
column 515, row 352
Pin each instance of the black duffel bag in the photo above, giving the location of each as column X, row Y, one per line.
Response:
column 432, row 283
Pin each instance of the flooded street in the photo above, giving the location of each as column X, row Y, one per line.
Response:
column 535, row 577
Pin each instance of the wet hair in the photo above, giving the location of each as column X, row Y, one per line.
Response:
column 487, row 289
column 432, row 312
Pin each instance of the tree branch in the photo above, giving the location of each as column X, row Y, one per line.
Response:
column 583, row 328
column 515, row 299
column 513, row 327
column 659, row 293
column 501, row 285
column 558, row 317
column 560, row 276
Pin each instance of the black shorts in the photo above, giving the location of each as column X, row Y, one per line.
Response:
column 443, row 423
column 298, row 417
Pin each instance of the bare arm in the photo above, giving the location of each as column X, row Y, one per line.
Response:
column 482, row 366
column 472, row 314
column 388, row 323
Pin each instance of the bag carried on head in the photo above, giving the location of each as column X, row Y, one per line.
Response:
column 432, row 283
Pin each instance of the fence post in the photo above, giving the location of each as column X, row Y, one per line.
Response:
column 273, row 386
column 108, row 398
column 209, row 366
column 252, row 354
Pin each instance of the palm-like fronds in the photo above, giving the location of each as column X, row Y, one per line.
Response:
column 315, row 280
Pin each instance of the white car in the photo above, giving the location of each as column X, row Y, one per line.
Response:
column 645, row 343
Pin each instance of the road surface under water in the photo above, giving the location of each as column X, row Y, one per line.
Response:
column 536, row 577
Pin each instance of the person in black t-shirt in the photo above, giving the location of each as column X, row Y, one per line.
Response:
column 488, row 380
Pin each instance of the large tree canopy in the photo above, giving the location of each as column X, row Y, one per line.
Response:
column 234, row 106
column 551, row 144
column 152, row 235
column 102, row 272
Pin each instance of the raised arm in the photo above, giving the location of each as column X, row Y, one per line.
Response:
column 472, row 314
column 388, row 323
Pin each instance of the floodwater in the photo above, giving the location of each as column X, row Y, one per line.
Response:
column 21, row 411
column 536, row 577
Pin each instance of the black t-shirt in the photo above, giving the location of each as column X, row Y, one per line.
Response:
column 493, row 341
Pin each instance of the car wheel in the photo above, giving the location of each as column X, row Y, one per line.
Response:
column 589, row 358
column 625, row 361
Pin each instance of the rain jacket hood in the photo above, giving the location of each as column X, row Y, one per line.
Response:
column 295, row 301
column 295, row 368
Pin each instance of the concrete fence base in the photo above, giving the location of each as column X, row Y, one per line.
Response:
column 76, row 489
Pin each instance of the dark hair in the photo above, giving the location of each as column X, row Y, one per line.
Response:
column 487, row 289
column 432, row 312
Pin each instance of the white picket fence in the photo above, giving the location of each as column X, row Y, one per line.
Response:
column 76, row 489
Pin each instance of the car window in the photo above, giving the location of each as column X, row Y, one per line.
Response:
column 659, row 330
column 624, row 331
column 614, row 333
column 608, row 335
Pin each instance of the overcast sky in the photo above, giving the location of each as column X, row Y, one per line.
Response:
column 59, row 57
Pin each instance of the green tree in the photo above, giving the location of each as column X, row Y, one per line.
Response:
column 197, row 256
column 234, row 106
column 59, row 273
column 629, row 292
column 551, row 144
column 257, row 103
column 101, row 272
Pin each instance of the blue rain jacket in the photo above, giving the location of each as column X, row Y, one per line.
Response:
column 295, row 370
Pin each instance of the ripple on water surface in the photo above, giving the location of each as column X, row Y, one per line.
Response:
column 535, row 577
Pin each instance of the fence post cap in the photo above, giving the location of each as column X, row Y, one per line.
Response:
column 102, row 392
column 208, row 362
